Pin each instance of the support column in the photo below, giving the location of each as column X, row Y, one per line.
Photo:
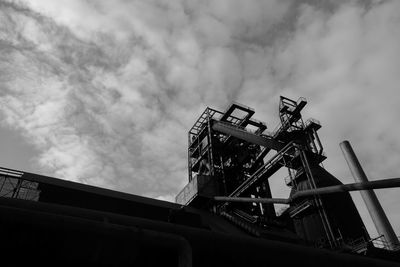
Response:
column 375, row 209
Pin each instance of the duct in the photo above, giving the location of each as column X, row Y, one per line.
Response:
column 252, row 200
column 386, row 183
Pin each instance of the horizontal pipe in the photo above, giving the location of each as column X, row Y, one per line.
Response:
column 253, row 200
column 386, row 183
column 379, row 184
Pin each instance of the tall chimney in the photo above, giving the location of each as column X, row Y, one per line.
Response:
column 375, row 209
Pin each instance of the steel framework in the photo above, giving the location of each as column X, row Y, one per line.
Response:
column 231, row 155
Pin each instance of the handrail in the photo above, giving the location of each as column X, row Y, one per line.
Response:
column 381, row 242
column 9, row 172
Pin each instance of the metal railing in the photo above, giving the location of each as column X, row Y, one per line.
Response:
column 381, row 242
column 13, row 186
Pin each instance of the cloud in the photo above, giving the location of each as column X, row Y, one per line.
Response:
column 107, row 91
column 346, row 63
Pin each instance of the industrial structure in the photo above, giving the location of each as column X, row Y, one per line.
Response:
column 224, row 216
column 231, row 154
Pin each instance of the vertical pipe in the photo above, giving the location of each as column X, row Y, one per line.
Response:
column 375, row 209
column 321, row 210
column 210, row 148
column 189, row 158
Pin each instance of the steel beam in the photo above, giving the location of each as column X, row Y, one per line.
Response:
column 240, row 133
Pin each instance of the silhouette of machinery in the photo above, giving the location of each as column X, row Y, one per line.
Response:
column 231, row 154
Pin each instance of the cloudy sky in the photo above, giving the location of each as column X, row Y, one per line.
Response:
column 104, row 92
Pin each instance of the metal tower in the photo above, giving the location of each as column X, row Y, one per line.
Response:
column 230, row 154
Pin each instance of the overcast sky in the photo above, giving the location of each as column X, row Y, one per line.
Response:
column 104, row 92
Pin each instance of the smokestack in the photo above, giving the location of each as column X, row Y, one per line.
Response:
column 375, row 209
